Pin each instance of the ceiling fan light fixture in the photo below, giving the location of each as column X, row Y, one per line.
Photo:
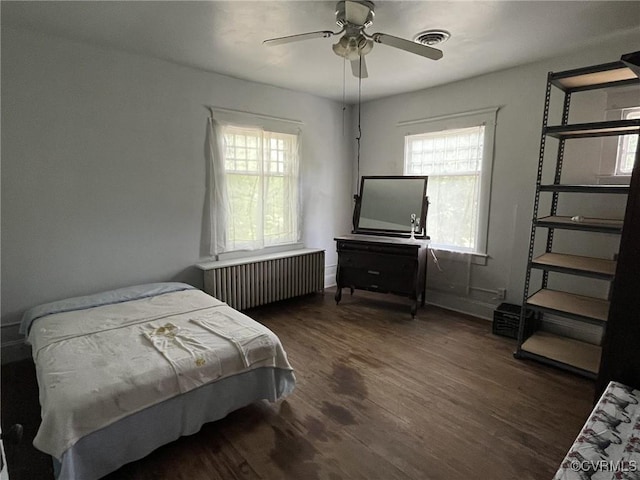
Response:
column 354, row 16
column 342, row 47
column 432, row 37
column 352, row 47
column 365, row 46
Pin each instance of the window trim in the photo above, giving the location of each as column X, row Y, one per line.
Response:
column 486, row 117
column 617, row 100
column 625, row 114
column 238, row 118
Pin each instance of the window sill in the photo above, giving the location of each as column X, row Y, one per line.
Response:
column 285, row 247
column 613, row 179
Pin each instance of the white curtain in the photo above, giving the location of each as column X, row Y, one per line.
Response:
column 219, row 212
column 453, row 161
column 453, row 210
column 281, row 195
column 254, row 192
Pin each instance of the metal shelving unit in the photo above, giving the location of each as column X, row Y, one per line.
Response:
column 564, row 352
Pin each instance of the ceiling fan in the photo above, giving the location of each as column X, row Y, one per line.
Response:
column 353, row 17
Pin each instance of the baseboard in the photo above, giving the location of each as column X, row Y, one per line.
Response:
column 14, row 351
column 330, row 275
column 468, row 306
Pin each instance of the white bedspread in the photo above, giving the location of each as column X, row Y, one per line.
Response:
column 99, row 365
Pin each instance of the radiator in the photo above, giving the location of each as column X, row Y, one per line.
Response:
column 249, row 282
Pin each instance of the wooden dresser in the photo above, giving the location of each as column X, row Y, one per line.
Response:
column 382, row 264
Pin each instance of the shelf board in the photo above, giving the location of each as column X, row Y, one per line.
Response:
column 580, row 307
column 598, row 76
column 594, row 129
column 566, row 351
column 576, row 265
column 620, row 189
column 632, row 61
column 589, row 224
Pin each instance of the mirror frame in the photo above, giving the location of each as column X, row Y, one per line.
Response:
column 421, row 233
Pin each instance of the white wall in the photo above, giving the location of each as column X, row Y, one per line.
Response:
column 519, row 92
column 103, row 166
column 103, row 169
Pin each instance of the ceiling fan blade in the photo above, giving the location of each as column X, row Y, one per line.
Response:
column 355, row 68
column 408, row 46
column 355, row 13
column 296, row 38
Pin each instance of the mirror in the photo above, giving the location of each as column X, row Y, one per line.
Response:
column 386, row 206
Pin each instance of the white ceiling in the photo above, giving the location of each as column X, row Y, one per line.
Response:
column 226, row 37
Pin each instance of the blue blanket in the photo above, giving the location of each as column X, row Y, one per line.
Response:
column 110, row 297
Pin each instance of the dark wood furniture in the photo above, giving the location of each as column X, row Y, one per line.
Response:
column 387, row 249
column 382, row 264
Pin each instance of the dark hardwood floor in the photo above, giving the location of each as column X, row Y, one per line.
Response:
column 379, row 396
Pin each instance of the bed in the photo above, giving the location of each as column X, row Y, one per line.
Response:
column 123, row 372
column 608, row 446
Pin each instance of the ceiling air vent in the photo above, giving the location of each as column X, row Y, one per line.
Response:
column 432, row 37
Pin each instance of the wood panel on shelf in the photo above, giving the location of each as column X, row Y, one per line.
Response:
column 591, row 309
column 611, row 74
column 600, row 267
column 575, row 353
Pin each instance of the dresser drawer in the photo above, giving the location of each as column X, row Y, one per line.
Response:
column 378, row 248
column 368, row 279
column 377, row 262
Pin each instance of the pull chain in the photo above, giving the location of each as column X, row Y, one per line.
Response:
column 359, row 126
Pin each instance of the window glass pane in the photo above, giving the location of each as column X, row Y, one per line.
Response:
column 627, row 145
column 261, row 186
column 244, row 191
column 453, row 212
column 453, row 161
column 275, row 215
column 448, row 151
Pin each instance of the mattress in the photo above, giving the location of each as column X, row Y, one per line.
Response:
column 158, row 359
column 608, row 446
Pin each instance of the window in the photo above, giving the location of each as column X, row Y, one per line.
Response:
column 456, row 153
column 627, row 145
column 261, row 170
column 617, row 153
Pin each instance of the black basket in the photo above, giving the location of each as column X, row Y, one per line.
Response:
column 506, row 319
